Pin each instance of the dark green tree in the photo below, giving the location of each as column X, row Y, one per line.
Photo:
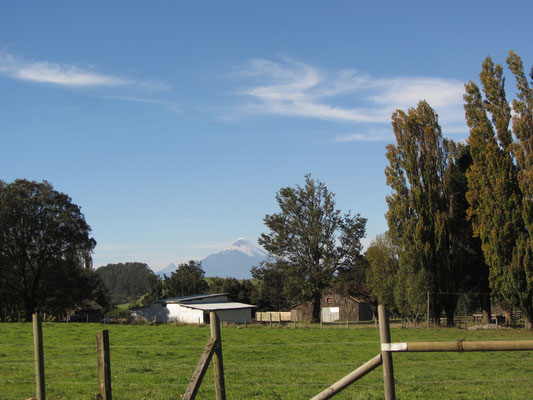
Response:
column 499, row 180
column 45, row 249
column 125, row 281
column 426, row 217
column 237, row 290
column 155, row 289
column 382, row 272
column 187, row 280
column 278, row 286
column 310, row 240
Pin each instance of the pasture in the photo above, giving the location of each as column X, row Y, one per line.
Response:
column 156, row 362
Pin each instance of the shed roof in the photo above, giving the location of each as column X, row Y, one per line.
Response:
column 87, row 305
column 189, row 298
column 228, row 305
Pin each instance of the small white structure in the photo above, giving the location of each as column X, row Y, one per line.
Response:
column 194, row 310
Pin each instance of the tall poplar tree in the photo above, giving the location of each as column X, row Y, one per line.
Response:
column 499, row 180
column 426, row 217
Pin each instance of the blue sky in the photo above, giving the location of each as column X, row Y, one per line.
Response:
column 173, row 124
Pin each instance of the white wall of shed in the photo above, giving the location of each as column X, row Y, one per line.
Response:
column 184, row 314
column 237, row 316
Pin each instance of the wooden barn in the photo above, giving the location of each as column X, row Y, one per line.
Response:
column 334, row 307
column 86, row 311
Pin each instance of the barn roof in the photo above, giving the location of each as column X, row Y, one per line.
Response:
column 228, row 305
column 189, row 298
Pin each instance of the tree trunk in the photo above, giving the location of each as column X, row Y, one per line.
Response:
column 316, row 308
column 29, row 313
column 449, row 317
column 529, row 318
column 508, row 317
column 486, row 309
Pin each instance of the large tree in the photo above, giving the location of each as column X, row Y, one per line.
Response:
column 426, row 217
column 45, row 249
column 128, row 281
column 310, row 240
column 382, row 272
column 187, row 280
column 500, row 180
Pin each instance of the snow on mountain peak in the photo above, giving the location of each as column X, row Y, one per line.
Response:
column 245, row 246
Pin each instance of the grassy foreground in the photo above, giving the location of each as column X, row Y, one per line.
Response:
column 156, row 362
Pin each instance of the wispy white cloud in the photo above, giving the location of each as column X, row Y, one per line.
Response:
column 67, row 75
column 370, row 135
column 171, row 105
column 293, row 88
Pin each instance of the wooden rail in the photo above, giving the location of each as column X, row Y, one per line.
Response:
column 461, row 345
column 213, row 351
column 349, row 379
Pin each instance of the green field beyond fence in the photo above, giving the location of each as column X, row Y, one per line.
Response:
column 157, row 362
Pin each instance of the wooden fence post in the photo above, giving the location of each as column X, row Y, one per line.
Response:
column 386, row 356
column 218, row 365
column 104, row 365
column 427, row 318
column 40, row 391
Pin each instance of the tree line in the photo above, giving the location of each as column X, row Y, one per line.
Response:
column 459, row 217
column 460, row 214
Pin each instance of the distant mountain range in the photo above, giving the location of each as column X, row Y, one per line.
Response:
column 236, row 261
column 168, row 270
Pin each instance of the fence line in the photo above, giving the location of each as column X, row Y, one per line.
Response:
column 49, row 361
column 270, row 365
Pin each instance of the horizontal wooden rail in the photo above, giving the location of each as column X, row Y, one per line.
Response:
column 200, row 370
column 349, row 379
column 461, row 345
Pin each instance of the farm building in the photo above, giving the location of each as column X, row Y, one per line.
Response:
column 194, row 309
column 86, row 311
column 334, row 307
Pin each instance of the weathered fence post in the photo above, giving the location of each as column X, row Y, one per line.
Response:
column 386, row 356
column 104, row 365
column 40, row 391
column 218, row 365
column 427, row 318
column 270, row 320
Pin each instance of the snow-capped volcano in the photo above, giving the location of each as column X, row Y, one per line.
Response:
column 245, row 246
column 236, row 260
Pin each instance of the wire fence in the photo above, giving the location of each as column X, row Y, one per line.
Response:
column 292, row 364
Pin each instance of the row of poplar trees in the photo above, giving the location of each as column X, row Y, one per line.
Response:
column 461, row 214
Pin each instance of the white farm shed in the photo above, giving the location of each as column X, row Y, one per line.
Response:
column 195, row 309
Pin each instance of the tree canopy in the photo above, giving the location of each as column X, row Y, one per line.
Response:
column 187, row 280
column 310, row 241
column 500, row 180
column 126, row 281
column 45, row 250
column 427, row 212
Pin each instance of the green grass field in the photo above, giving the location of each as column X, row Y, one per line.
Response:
column 156, row 362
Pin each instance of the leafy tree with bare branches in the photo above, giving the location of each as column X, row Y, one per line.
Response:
column 310, row 240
